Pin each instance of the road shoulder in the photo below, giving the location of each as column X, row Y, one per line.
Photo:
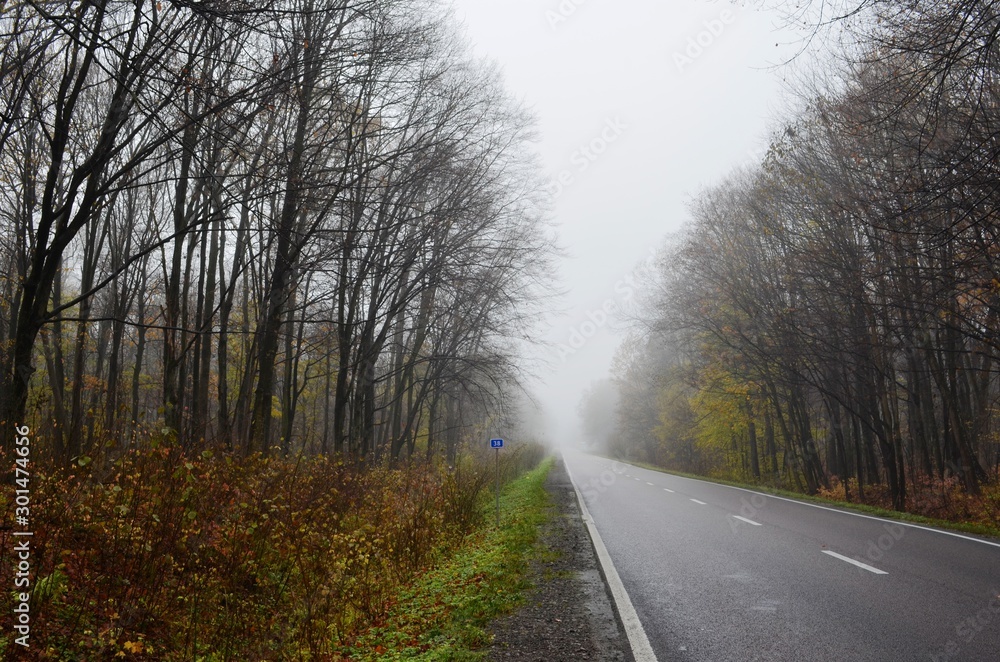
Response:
column 568, row 613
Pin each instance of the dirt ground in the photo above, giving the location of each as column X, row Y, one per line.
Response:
column 569, row 613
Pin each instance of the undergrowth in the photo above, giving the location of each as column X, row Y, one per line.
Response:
column 168, row 556
column 444, row 615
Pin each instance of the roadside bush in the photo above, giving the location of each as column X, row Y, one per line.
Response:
column 178, row 557
column 937, row 498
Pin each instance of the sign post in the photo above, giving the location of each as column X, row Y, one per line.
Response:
column 497, row 444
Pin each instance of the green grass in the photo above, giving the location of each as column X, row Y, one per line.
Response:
column 965, row 527
column 444, row 616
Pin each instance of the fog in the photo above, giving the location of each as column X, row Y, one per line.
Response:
column 639, row 104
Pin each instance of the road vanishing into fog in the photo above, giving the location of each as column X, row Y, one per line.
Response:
column 720, row 574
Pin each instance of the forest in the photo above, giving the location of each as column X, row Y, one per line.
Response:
column 253, row 263
column 271, row 229
column 827, row 320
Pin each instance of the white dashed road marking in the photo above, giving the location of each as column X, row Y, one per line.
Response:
column 748, row 521
column 861, row 565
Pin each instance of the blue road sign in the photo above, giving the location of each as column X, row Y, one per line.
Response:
column 496, row 443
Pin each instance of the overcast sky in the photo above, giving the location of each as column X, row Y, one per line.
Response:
column 640, row 103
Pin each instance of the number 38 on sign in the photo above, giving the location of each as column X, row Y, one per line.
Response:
column 496, row 443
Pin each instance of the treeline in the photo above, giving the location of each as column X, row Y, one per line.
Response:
column 272, row 227
column 830, row 316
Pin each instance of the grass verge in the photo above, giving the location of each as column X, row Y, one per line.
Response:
column 444, row 615
column 964, row 527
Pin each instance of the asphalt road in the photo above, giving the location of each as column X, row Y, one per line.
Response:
column 718, row 573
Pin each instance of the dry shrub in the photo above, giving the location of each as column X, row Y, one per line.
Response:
column 178, row 557
column 930, row 496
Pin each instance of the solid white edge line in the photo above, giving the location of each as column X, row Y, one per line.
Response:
column 748, row 521
column 861, row 565
column 833, row 510
column 641, row 650
column 700, row 503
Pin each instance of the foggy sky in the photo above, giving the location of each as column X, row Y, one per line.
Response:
column 640, row 104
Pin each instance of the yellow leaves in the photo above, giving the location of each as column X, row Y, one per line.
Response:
column 134, row 647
